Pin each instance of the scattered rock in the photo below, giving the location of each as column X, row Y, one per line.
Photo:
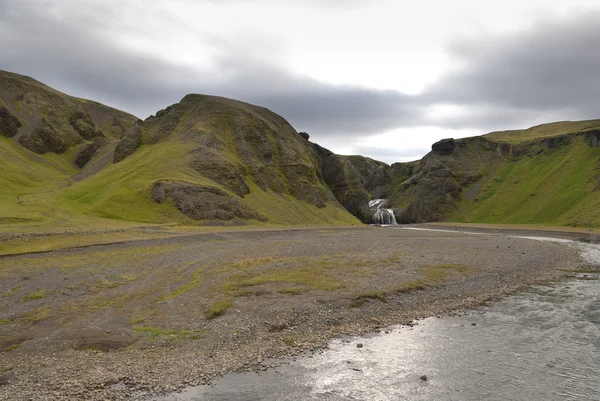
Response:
column 424, row 378
column 359, row 345
column 5, row 379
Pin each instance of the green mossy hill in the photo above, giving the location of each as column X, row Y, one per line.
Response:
column 44, row 120
column 204, row 161
column 548, row 174
column 233, row 156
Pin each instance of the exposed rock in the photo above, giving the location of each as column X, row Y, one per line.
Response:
column 9, row 124
column 5, row 379
column 89, row 151
column 202, row 202
column 128, row 144
column 84, row 125
column 444, row 147
column 593, row 138
column 304, row 135
column 345, row 182
column 435, row 188
column 216, row 166
column 45, row 139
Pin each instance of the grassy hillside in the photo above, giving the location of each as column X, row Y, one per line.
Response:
column 549, row 174
column 71, row 162
column 543, row 131
column 556, row 188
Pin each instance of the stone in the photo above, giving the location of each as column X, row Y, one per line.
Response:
column 444, row 147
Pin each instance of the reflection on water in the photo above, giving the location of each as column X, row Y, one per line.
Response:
column 543, row 344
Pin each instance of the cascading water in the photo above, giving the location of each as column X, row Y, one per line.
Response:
column 381, row 214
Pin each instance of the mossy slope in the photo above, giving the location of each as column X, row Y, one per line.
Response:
column 548, row 174
column 205, row 160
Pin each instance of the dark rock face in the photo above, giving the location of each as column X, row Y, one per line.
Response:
column 593, row 138
column 203, row 203
column 304, row 135
column 345, row 182
column 45, row 139
column 89, row 151
column 128, row 144
column 9, row 124
column 84, row 125
column 436, row 187
column 444, row 147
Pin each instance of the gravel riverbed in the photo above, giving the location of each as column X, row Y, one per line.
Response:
column 133, row 320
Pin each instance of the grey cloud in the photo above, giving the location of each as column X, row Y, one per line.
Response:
column 547, row 73
column 74, row 57
column 392, row 155
column 551, row 68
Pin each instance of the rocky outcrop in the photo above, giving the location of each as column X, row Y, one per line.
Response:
column 345, row 182
column 89, row 151
column 9, row 124
column 444, row 147
column 435, row 188
column 593, row 138
column 241, row 146
column 203, row 202
column 84, row 125
column 46, row 138
column 128, row 144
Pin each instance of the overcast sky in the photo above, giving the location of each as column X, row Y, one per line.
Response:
column 381, row 78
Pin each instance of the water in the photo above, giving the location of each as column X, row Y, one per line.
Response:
column 381, row 215
column 542, row 344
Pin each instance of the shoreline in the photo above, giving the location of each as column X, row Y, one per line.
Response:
column 241, row 339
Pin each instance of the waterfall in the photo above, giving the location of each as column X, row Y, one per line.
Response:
column 381, row 214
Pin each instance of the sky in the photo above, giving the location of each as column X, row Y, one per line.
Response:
column 380, row 78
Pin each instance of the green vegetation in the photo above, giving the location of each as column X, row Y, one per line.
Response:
column 4, row 322
column 430, row 275
column 218, row 308
column 554, row 188
column 253, row 158
column 12, row 292
column 34, row 296
column 193, row 282
column 543, row 131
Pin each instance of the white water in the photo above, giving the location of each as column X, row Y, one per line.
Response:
column 382, row 215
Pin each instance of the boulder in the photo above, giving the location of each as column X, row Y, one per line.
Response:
column 45, row 139
column 9, row 124
column 84, row 125
column 128, row 144
column 89, row 151
column 444, row 147
column 202, row 202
